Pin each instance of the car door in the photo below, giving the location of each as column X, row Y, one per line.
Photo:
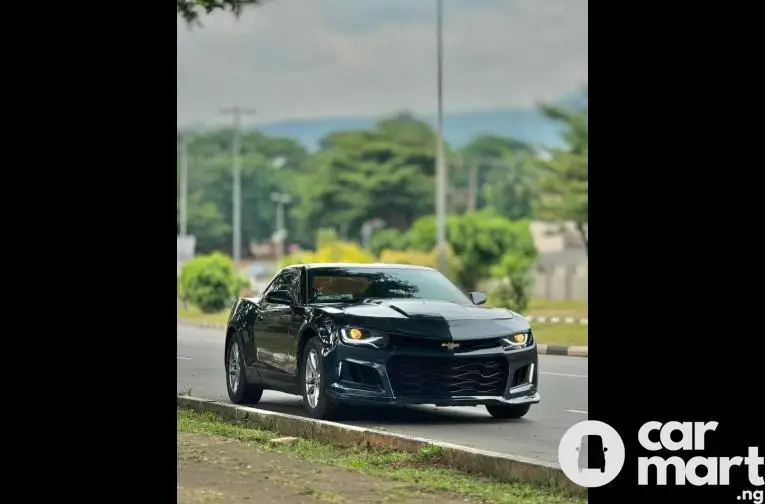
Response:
column 271, row 327
column 286, row 327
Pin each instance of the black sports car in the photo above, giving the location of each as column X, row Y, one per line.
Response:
column 378, row 334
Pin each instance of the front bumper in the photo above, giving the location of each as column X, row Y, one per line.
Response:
column 367, row 376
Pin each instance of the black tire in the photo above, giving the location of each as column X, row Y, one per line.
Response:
column 508, row 411
column 324, row 408
column 244, row 393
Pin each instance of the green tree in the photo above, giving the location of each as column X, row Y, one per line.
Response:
column 210, row 187
column 564, row 181
column 206, row 224
column 191, row 9
column 385, row 172
column 497, row 173
column 388, row 239
column 480, row 241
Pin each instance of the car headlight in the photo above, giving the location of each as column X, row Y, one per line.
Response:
column 363, row 337
column 518, row 340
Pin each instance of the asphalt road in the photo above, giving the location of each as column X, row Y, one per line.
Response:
column 563, row 386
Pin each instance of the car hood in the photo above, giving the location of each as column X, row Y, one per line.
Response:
column 428, row 319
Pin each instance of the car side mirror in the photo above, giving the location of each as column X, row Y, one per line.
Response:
column 478, row 298
column 282, row 297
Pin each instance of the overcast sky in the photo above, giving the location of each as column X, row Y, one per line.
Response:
column 294, row 59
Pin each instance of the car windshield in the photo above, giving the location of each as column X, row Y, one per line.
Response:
column 337, row 285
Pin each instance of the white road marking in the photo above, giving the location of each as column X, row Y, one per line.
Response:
column 183, row 358
column 575, row 411
column 564, row 374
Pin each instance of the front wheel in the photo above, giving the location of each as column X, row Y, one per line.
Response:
column 239, row 391
column 315, row 399
column 508, row 411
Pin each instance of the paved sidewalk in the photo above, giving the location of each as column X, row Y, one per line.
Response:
column 214, row 470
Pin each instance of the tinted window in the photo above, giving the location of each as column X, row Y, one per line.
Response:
column 292, row 284
column 288, row 280
column 332, row 285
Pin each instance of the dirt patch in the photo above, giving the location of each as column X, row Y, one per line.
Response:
column 215, row 470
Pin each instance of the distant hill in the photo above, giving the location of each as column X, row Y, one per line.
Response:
column 459, row 128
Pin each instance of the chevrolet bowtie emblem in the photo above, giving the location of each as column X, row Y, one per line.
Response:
column 450, row 346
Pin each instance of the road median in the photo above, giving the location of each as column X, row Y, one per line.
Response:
column 504, row 468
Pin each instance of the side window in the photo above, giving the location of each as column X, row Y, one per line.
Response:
column 276, row 284
column 294, row 286
column 289, row 280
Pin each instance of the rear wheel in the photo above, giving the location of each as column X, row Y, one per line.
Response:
column 239, row 391
column 508, row 411
column 315, row 399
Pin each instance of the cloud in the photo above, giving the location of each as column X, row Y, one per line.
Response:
column 315, row 58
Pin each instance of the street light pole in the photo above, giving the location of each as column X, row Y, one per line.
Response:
column 440, row 161
column 184, row 183
column 237, row 112
column 281, row 199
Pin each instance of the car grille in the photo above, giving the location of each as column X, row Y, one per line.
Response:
column 407, row 342
column 447, row 377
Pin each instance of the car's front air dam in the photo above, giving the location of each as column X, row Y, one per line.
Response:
column 362, row 376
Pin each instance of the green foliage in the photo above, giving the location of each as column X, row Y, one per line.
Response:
column 504, row 177
column 565, row 180
column 512, row 190
column 209, row 282
column 191, row 9
column 514, row 289
column 480, row 240
column 388, row 239
column 386, row 172
column 210, row 188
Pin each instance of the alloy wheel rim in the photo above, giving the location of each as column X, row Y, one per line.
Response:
column 312, row 378
column 233, row 368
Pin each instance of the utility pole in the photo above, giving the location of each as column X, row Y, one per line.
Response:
column 472, row 186
column 281, row 199
column 440, row 161
column 237, row 112
column 184, row 183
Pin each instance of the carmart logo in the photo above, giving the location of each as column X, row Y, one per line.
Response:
column 591, row 441
column 591, row 454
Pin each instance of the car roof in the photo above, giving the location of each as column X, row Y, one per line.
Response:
column 359, row 266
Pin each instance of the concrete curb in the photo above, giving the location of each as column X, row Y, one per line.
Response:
column 507, row 468
column 558, row 320
column 570, row 351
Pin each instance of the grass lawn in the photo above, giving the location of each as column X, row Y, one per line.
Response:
column 409, row 475
column 192, row 313
column 560, row 334
column 547, row 308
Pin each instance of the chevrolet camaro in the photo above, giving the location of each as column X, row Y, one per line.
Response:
column 378, row 334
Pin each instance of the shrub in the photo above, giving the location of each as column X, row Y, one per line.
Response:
column 479, row 239
column 514, row 288
column 209, row 282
